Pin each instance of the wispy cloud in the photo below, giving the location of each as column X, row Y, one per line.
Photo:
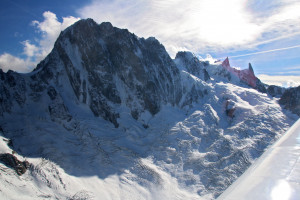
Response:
column 49, row 30
column 29, row 49
column 267, row 51
column 201, row 25
column 293, row 68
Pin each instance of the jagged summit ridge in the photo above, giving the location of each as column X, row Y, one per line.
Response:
column 246, row 76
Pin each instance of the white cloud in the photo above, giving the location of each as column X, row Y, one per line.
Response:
column 284, row 81
column 50, row 29
column 29, row 49
column 8, row 61
column 200, row 26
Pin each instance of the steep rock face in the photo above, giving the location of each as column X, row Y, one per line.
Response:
column 275, row 91
column 193, row 70
column 12, row 88
column 291, row 100
column 189, row 62
column 108, row 67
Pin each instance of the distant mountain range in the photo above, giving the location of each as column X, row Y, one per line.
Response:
column 109, row 115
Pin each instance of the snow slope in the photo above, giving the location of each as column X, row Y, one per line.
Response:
column 182, row 131
column 275, row 175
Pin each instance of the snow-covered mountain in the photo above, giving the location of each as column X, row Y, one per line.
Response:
column 109, row 115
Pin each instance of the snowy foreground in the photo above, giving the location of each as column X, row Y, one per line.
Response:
column 108, row 115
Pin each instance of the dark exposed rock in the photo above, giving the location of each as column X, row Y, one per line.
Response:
column 192, row 64
column 275, row 91
column 290, row 100
column 11, row 161
column 230, row 108
column 251, row 68
column 52, row 93
column 12, row 89
column 57, row 108
column 11, row 79
column 5, row 103
column 1, row 74
column 8, row 141
column 260, row 86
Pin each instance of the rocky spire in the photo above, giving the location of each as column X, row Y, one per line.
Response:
column 250, row 68
column 226, row 63
column 247, row 75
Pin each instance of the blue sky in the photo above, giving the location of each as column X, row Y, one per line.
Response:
column 265, row 33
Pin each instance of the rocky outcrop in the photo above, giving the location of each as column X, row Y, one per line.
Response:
column 57, row 109
column 290, row 100
column 275, row 91
column 230, row 108
column 12, row 161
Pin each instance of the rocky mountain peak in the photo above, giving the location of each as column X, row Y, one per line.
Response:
column 108, row 67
